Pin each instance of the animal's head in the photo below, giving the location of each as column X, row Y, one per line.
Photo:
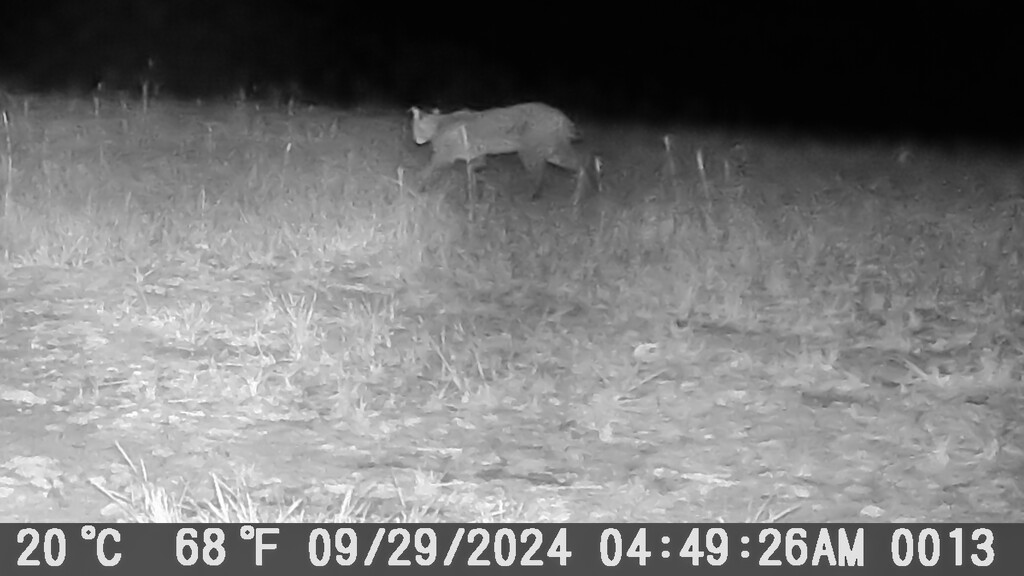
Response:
column 424, row 124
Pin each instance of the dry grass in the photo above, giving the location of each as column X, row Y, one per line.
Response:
column 256, row 294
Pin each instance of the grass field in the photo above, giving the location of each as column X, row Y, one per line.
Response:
column 232, row 311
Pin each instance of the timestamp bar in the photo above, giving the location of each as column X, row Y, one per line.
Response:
column 299, row 549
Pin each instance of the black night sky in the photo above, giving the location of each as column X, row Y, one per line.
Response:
column 843, row 68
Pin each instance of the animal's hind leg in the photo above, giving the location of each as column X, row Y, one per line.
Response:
column 567, row 157
column 534, row 164
column 580, row 164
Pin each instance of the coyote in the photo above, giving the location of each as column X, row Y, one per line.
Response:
column 538, row 133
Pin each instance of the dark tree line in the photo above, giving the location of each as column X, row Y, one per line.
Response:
column 773, row 61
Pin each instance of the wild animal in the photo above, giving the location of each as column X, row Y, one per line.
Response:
column 539, row 134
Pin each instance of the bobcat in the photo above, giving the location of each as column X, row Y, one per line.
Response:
column 538, row 133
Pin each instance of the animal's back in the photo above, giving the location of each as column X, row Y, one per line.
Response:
column 532, row 119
